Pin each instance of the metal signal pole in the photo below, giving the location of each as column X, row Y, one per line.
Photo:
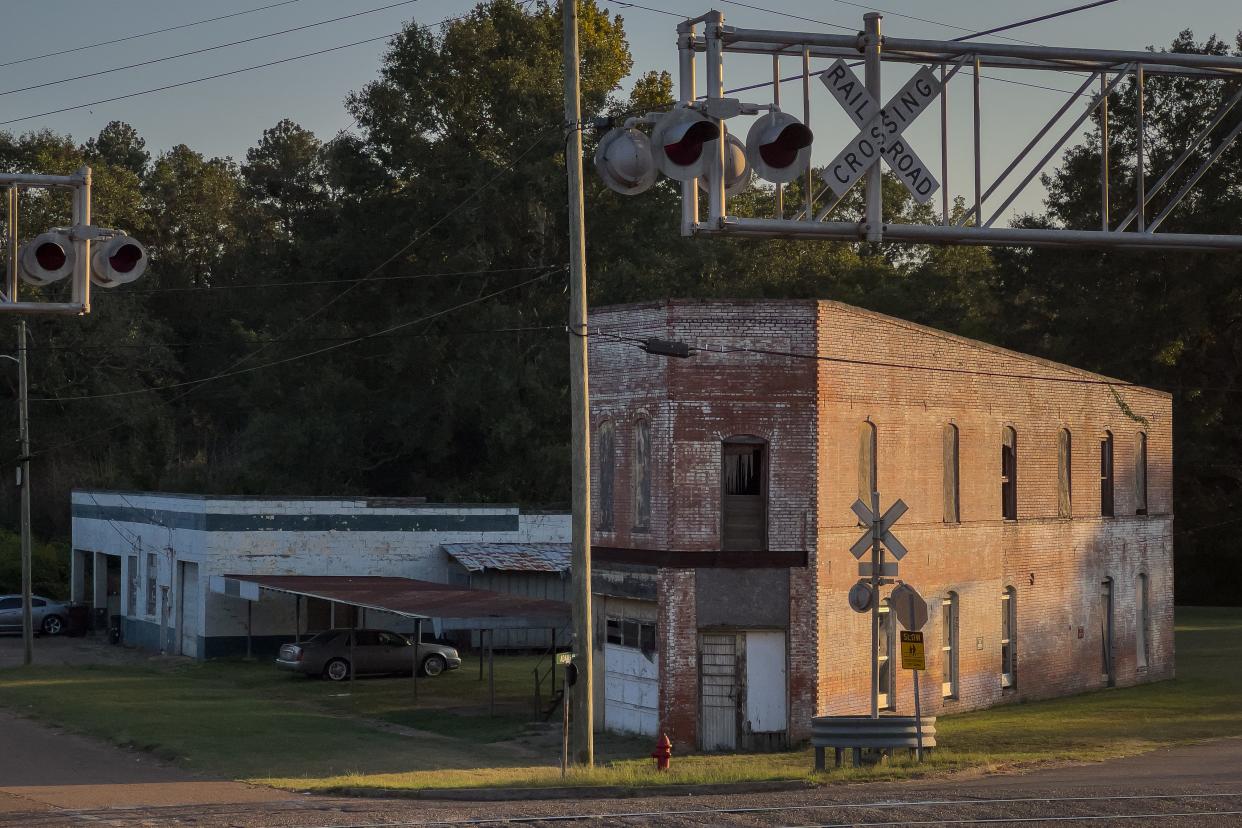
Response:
column 583, row 695
column 24, row 436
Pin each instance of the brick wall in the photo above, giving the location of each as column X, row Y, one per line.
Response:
column 809, row 411
column 1055, row 565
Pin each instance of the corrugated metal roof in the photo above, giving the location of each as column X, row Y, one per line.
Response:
column 410, row 597
column 510, row 557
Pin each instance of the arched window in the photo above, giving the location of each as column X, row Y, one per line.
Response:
column 1140, row 474
column 1106, row 474
column 1009, row 637
column 642, row 474
column 866, row 461
column 952, row 504
column 1009, row 473
column 1065, row 491
column 1142, row 623
column 606, row 447
column 1107, row 675
column 948, row 646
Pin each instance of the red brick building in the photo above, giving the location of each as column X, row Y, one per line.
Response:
column 1039, row 530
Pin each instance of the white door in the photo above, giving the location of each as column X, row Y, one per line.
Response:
column 718, row 681
column 765, row 682
column 631, row 690
column 187, row 624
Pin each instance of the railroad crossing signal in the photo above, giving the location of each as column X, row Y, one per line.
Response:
column 881, row 131
column 880, row 527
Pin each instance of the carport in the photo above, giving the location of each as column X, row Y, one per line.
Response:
column 450, row 607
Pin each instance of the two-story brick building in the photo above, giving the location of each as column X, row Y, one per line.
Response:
column 1039, row 530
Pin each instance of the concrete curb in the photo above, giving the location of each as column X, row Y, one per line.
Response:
column 568, row 792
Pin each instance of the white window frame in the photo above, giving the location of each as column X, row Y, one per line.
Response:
column 949, row 619
column 1142, row 622
column 888, row 691
column 1009, row 638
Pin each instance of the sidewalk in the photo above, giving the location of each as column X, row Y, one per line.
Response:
column 44, row 768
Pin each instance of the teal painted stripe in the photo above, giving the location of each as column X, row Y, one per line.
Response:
column 414, row 522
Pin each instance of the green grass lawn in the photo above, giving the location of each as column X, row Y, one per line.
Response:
column 248, row 721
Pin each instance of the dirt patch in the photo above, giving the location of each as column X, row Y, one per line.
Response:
column 74, row 651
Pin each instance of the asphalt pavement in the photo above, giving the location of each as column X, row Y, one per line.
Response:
column 1197, row 786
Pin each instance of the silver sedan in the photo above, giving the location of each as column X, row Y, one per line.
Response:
column 328, row 654
column 48, row 616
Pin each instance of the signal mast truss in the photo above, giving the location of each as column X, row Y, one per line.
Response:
column 941, row 61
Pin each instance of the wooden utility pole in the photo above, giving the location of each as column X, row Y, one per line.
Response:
column 23, row 417
column 583, row 695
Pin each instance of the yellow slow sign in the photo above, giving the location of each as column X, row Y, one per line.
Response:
column 912, row 657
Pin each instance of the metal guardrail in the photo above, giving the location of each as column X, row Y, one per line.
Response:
column 859, row 733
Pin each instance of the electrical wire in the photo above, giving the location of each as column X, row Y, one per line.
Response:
column 306, row 355
column 206, row 49
column 1031, row 20
column 313, row 282
column 197, row 80
column 116, row 40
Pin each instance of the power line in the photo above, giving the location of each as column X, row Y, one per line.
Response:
column 1039, row 19
column 206, row 49
column 316, row 282
column 306, row 355
column 197, row 80
column 116, row 40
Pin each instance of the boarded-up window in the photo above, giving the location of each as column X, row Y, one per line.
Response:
column 607, row 450
column 1009, row 474
column 1009, row 637
column 952, row 507
column 1106, row 474
column 866, row 462
column 642, row 474
column 1140, row 474
column 948, row 646
column 1141, row 623
column 1065, row 506
column 744, row 519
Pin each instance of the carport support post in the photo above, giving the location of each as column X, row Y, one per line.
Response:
column 418, row 638
column 482, row 632
column 491, row 673
column 297, row 619
column 353, row 633
column 249, row 628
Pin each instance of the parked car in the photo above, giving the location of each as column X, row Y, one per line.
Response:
column 47, row 616
column 327, row 654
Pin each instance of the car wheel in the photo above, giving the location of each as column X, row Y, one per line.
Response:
column 433, row 665
column 336, row 670
column 53, row 625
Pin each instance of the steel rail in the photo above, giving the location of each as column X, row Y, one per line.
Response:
column 791, row 49
column 1089, row 58
column 932, row 233
column 772, row 809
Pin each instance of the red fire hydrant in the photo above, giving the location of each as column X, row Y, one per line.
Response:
column 663, row 752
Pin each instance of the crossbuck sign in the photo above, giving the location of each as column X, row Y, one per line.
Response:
column 881, row 526
column 881, row 131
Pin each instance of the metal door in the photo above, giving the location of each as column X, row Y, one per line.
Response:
column 189, row 599
column 719, row 684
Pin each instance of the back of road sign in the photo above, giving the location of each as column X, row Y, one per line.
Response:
column 909, row 607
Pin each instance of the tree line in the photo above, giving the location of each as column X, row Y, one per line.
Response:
column 382, row 312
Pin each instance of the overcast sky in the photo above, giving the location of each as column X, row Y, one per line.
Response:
column 227, row 115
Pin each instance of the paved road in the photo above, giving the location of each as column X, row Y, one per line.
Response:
column 1189, row 787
